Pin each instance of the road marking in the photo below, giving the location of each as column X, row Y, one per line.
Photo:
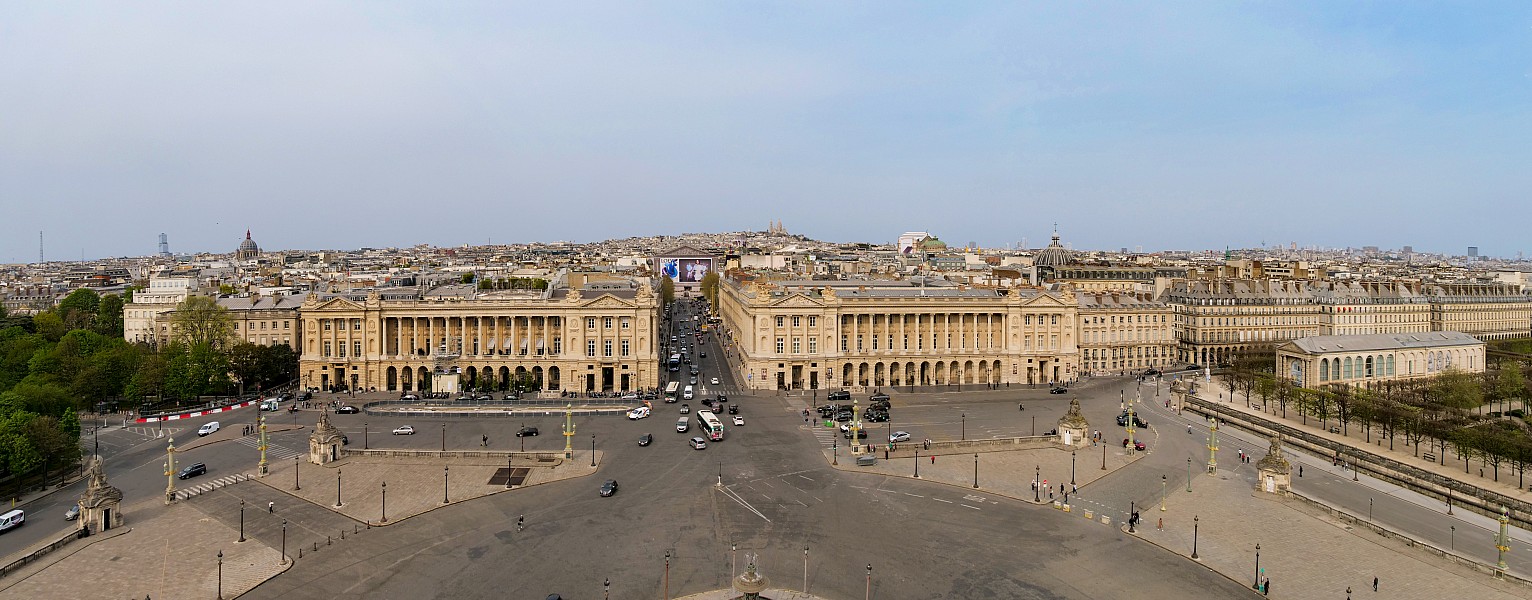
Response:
column 816, row 498
column 940, row 500
column 735, row 497
column 889, row 491
column 768, row 484
column 915, row 495
column 967, row 506
column 808, row 478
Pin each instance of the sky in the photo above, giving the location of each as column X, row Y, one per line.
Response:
column 1153, row 125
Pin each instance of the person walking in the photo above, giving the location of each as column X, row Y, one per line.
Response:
column 1374, row 584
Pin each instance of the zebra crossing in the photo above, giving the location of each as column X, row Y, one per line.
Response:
column 273, row 451
column 150, row 432
column 204, row 488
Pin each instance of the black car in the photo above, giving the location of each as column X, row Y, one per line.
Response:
column 880, row 404
column 878, row 397
column 1151, row 372
column 733, row 409
column 526, row 432
column 347, row 410
column 861, row 434
column 192, row 470
column 876, row 416
column 608, row 488
column 701, row 354
column 645, row 439
column 1122, row 421
column 1058, row 390
column 826, row 410
column 722, row 398
column 843, row 416
column 839, row 395
column 1193, row 367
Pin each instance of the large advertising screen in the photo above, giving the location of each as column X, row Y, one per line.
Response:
column 686, row 270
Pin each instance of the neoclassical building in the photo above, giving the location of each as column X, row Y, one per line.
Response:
column 1123, row 332
column 1217, row 320
column 1363, row 360
column 840, row 334
column 598, row 338
column 1485, row 311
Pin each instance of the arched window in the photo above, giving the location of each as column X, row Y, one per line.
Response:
column 1324, row 369
column 1390, row 365
column 1346, row 372
column 1335, row 369
column 1369, row 366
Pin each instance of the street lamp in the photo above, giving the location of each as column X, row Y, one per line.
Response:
column 917, row 463
column 384, row 518
column 592, row 450
column 337, row 487
column 1258, row 565
column 607, row 589
column 241, row 520
column 667, row 575
column 976, row 470
column 732, row 548
column 963, row 431
column 1132, row 510
column 296, row 486
column 444, row 437
column 1164, row 481
column 805, row 569
column 364, row 435
column 445, row 469
column 1195, row 524
column 220, row 575
column 1188, row 474
column 1071, row 467
column 284, row 541
column 1037, row 477
column 869, row 581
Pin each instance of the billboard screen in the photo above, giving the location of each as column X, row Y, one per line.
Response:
column 686, row 270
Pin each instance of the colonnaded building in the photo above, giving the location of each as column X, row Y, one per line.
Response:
column 581, row 333
column 847, row 334
column 1365, row 360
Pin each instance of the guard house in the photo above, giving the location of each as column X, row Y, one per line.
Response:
column 326, row 444
column 99, row 505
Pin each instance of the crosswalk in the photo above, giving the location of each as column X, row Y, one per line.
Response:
column 273, row 451
column 151, row 431
column 209, row 486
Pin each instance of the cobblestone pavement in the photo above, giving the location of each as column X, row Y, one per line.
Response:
column 171, row 553
column 415, row 484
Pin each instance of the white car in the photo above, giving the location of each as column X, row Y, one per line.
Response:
column 404, row 430
column 209, row 428
column 899, row 436
column 713, row 381
column 739, row 421
column 638, row 413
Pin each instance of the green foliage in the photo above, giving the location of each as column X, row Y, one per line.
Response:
column 667, row 291
column 109, row 316
column 467, row 278
column 225, row 289
column 201, row 321
column 710, row 288
column 78, row 309
column 514, row 283
column 49, row 325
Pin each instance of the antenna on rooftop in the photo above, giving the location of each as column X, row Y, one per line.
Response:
column 40, row 246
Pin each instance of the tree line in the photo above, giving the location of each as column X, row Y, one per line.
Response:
column 1480, row 416
column 72, row 359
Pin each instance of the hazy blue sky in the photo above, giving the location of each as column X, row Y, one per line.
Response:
column 1161, row 125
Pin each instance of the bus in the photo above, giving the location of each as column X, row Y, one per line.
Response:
column 674, row 363
column 710, row 425
column 671, row 390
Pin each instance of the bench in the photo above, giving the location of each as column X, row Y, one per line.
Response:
column 1429, row 457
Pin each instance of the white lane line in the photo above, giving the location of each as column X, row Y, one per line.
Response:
column 889, row 491
column 940, row 500
column 768, row 498
column 735, row 497
column 808, row 478
column 914, row 495
column 768, row 484
column 816, row 498
column 973, row 507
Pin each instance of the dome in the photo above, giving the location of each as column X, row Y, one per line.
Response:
column 247, row 249
column 931, row 243
column 1054, row 255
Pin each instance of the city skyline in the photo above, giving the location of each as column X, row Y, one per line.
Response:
column 1188, row 127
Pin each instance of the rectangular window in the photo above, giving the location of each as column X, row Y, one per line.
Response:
column 342, row 348
column 874, row 341
column 326, row 324
column 797, row 345
column 326, row 348
column 858, row 343
column 625, row 322
column 890, row 341
column 843, row 341
column 606, row 322
column 356, row 325
column 606, row 347
column 779, row 321
column 590, row 347
column 906, row 341
column 779, row 341
column 236, row 326
column 795, row 320
column 625, row 347
column 263, row 324
column 590, row 322
column 558, row 345
column 1053, row 342
column 813, row 344
column 356, row 348
column 813, row 321
column 287, row 325
column 1055, row 320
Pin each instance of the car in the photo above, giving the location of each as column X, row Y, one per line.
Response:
column 608, row 488
column 713, row 381
column 207, row 428
column 883, row 405
column 843, row 416
column 698, row 443
column 1151, row 372
column 1058, row 390
column 702, row 354
column 876, row 417
column 192, row 470
column 739, row 421
column 686, row 409
column 73, row 512
column 526, row 432
column 1193, row 367
column 733, row 409
column 693, row 380
column 347, row 410
column 1122, row 421
column 722, row 398
column 838, row 395
column 638, row 413
column 695, row 370
column 683, row 425
column 826, row 410
column 708, row 402
column 861, row 434
column 878, row 397
column 645, row 439
column 630, row 397
column 404, row 430
column 899, row 436
column 1137, row 445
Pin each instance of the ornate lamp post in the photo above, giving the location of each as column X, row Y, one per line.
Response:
column 606, row 586
column 569, row 430
column 1212, row 446
column 284, row 541
column 1164, row 481
column 364, row 436
column 869, row 581
column 170, row 472
column 220, row 575
column 667, row 575
column 262, row 468
column 296, row 486
column 384, row 518
column 963, row 424
column 1037, row 478
column 242, row 520
column 444, row 437
column 1188, row 474
column 1071, row 467
column 1502, row 540
column 805, row 569
column 337, row 487
column 976, row 470
column 1258, row 566
column 592, row 450
column 445, row 469
column 1195, row 524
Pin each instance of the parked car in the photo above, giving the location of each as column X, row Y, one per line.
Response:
column 404, row 430
column 192, row 470
column 698, row 443
column 73, row 512
column 207, row 428
column 1122, row 421
column 861, row 434
column 608, row 488
column 645, row 440
column 878, row 397
column 1058, row 390
column 843, row 416
column 526, row 432
column 347, row 410
column 739, row 421
column 1137, row 445
column 899, row 436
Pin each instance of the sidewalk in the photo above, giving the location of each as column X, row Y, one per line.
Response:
column 1007, row 473
column 1304, row 552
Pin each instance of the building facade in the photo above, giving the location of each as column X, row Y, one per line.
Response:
column 1370, row 308
column 141, row 318
column 550, row 340
column 1121, row 333
column 818, row 334
column 1365, row 360
column 1217, row 320
column 266, row 320
column 1485, row 311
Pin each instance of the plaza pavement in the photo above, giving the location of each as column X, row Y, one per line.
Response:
column 167, row 553
column 1007, row 473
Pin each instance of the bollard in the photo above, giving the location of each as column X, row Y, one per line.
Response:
column 300, row 553
column 327, row 540
column 316, row 546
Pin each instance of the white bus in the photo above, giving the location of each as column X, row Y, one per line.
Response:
column 710, row 425
column 672, row 389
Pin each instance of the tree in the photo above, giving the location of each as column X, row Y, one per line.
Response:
column 201, row 321
column 109, row 316
column 1508, row 384
column 667, row 291
column 78, row 309
column 710, row 288
column 244, row 363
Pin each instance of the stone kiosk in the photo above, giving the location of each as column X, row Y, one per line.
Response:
column 1074, row 430
column 1276, row 474
column 326, row 444
column 99, row 504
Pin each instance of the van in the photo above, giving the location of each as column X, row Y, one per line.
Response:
column 686, row 394
column 682, row 425
column 271, row 404
column 207, row 428
column 12, row 520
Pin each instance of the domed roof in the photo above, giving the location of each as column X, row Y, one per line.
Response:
column 932, row 243
column 247, row 248
column 1054, row 255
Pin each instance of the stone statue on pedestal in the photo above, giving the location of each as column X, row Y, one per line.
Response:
column 1074, row 430
column 1276, row 474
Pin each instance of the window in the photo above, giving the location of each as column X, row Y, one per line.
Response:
column 906, row 341
column 779, row 340
column 356, row 324
column 326, row 347
column 1027, row 319
column 287, row 325
column 1055, row 320
column 263, row 324
column 342, row 348
column 625, row 322
column 843, row 341
column 813, row 321
column 606, row 347
column 590, row 347
column 795, row 321
column 326, row 325
column 625, row 347
column 813, row 344
column 236, row 326
column 606, row 322
column 779, row 323
column 356, row 348
column 558, row 345
column 797, row 343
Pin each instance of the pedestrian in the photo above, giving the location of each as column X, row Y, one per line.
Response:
column 486, row 440
column 1374, row 584
column 1074, row 490
column 271, row 507
column 1348, row 592
column 1266, row 586
column 1300, row 470
column 933, row 459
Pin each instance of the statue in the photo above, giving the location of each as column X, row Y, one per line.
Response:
column 751, row 583
column 98, row 505
column 1073, row 430
column 1275, row 473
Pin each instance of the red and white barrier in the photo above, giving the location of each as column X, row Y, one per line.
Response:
column 194, row 414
